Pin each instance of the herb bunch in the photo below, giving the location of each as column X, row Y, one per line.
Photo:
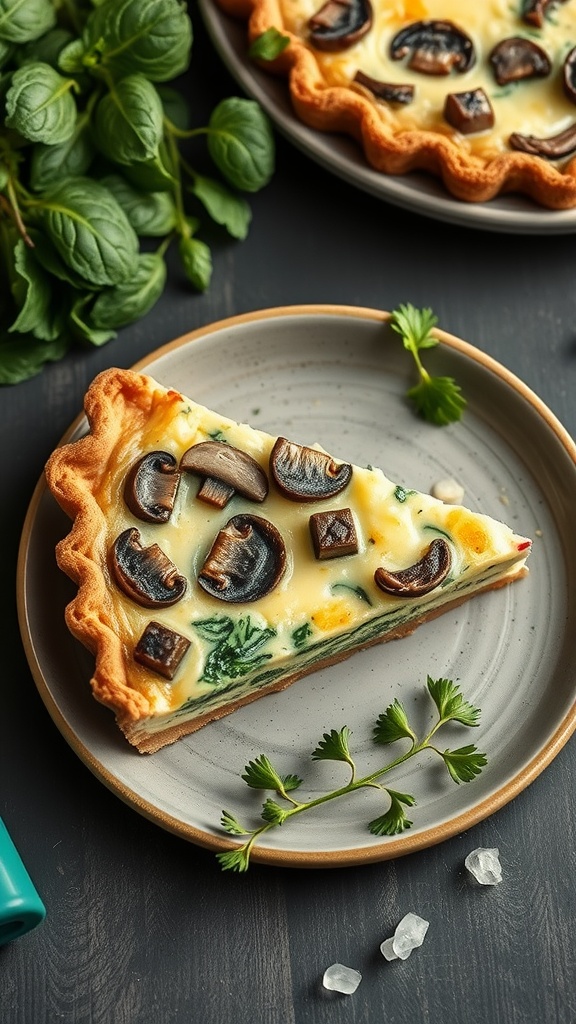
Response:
column 92, row 162
column 436, row 399
column 463, row 765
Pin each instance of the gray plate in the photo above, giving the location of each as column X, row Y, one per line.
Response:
column 337, row 375
column 417, row 192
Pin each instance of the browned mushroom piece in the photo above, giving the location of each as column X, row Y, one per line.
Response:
column 387, row 91
column 515, row 58
column 340, row 23
column 225, row 470
column 420, row 578
column 434, row 47
column 534, row 11
column 469, row 112
column 161, row 649
column 554, row 148
column 150, row 487
column 333, row 533
column 305, row 474
column 569, row 75
column 145, row 574
column 246, row 560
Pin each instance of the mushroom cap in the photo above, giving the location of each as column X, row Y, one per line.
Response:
column 145, row 574
column 434, row 47
column 420, row 578
column 246, row 560
column 150, row 487
column 340, row 23
column 306, row 474
column 216, row 460
column 517, row 58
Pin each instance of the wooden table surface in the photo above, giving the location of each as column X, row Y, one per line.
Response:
column 142, row 927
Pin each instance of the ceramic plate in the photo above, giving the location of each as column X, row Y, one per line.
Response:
column 419, row 193
column 338, row 375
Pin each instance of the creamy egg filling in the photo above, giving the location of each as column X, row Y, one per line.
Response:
column 537, row 106
column 319, row 608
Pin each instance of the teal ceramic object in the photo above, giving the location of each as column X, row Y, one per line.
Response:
column 21, row 908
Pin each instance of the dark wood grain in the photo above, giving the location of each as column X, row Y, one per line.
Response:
column 142, row 927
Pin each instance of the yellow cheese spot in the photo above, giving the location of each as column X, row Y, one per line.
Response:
column 468, row 531
column 332, row 616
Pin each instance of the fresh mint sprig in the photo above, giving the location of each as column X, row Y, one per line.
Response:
column 462, row 764
column 437, row 399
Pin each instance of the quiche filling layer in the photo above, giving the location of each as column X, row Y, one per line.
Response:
column 216, row 562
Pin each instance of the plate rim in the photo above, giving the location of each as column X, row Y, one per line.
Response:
column 345, row 857
column 394, row 189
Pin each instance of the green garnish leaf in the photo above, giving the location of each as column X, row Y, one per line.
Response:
column 465, row 763
column 261, row 774
column 273, row 813
column 394, row 820
column 393, row 725
column 451, row 704
column 234, row 860
column 232, row 825
column 269, row 45
column 438, row 400
column 334, row 746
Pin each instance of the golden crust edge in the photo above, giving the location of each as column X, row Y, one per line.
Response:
column 338, row 109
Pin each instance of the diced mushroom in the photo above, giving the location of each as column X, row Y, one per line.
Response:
column 386, row 91
column 333, row 533
column 145, row 574
column 305, row 474
column 516, row 58
column 161, row 649
column 553, row 148
column 420, row 578
column 226, row 470
column 246, row 560
column 569, row 75
column 150, row 487
column 340, row 23
column 534, row 11
column 434, row 47
column 469, row 112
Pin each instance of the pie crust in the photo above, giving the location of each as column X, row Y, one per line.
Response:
column 398, row 138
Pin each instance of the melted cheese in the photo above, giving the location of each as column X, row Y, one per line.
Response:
column 319, row 607
column 532, row 107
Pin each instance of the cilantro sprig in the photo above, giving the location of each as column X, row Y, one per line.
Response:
column 437, row 399
column 463, row 764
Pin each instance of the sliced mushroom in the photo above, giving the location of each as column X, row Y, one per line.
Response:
column 534, row 11
column 333, row 533
column 305, row 474
column 569, row 75
column 145, row 574
column 387, row 91
column 225, row 470
column 553, row 148
column 161, row 649
column 434, row 47
column 150, row 487
column 516, row 58
column 246, row 560
column 340, row 23
column 469, row 111
column 420, row 578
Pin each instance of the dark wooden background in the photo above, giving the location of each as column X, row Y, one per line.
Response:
column 142, row 927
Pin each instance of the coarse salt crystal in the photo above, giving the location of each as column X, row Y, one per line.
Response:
column 339, row 978
column 484, row 865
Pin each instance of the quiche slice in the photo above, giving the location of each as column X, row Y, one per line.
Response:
column 481, row 95
column 216, row 563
